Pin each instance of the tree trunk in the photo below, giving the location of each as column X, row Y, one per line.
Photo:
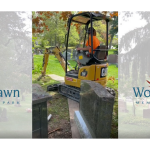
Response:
column 133, row 109
column 112, row 36
column 32, row 62
column 55, row 39
column 56, row 23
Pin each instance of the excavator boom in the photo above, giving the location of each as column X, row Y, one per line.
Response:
column 56, row 51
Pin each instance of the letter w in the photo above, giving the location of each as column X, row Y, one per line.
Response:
column 9, row 94
column 136, row 94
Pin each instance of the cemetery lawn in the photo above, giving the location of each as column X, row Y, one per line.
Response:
column 21, row 128
column 112, row 51
column 53, row 67
column 58, row 106
column 131, row 126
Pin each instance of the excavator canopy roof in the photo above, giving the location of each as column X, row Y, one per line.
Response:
column 84, row 18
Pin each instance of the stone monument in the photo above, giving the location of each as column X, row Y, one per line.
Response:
column 95, row 111
column 3, row 115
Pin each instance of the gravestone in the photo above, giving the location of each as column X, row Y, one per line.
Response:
column 146, row 113
column 74, row 55
column 0, row 113
column 122, row 107
column 95, row 111
column 1, row 99
column 3, row 115
column 68, row 55
column 32, row 62
column 113, row 59
column 39, row 112
column 69, row 50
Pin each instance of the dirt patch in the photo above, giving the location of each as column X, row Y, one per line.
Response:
column 63, row 132
column 59, row 124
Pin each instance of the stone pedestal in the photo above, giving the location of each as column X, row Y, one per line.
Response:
column 146, row 113
column 39, row 112
column 81, row 125
column 113, row 59
column 122, row 107
column 96, row 108
column 3, row 114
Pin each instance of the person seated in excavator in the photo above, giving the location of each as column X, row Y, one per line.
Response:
column 96, row 43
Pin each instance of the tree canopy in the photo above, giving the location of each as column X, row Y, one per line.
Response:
column 39, row 18
column 15, row 47
column 51, row 26
column 134, row 52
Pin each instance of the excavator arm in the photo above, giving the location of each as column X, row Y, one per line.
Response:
column 56, row 51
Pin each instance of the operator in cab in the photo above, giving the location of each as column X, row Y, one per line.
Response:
column 96, row 42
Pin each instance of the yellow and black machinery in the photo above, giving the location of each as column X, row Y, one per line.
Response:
column 92, row 68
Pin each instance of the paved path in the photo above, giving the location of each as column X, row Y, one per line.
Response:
column 73, row 106
column 57, row 78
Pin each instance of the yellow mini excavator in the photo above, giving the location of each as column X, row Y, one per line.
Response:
column 92, row 68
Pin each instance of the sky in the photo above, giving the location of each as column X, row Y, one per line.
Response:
column 128, row 25
column 27, row 21
column 132, row 23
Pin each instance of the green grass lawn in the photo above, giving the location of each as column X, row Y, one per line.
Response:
column 131, row 126
column 44, row 82
column 54, row 67
column 11, row 128
column 113, row 71
column 133, row 131
column 111, row 51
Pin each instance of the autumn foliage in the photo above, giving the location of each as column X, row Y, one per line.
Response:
column 39, row 18
column 111, row 78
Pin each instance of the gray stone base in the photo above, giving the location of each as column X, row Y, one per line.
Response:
column 81, row 125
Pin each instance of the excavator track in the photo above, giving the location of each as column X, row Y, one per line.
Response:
column 69, row 91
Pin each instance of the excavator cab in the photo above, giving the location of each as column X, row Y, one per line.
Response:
column 94, row 66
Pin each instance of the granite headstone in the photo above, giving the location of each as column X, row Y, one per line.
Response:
column 96, row 108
